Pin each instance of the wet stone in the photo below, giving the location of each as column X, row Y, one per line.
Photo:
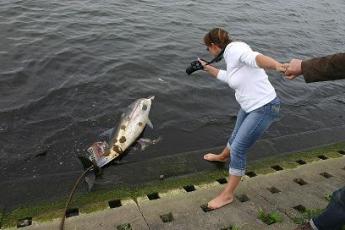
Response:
column 326, row 175
column 243, row 198
column 115, row 203
column 342, row 152
column 167, row 217
column 189, row 188
column 251, row 174
column 153, row 196
column 322, row 157
column 229, row 228
column 72, row 212
column 273, row 190
column 300, row 181
column 222, row 180
column 301, row 162
column 300, row 208
column 205, row 208
column 277, row 167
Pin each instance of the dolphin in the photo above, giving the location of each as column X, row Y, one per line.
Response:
column 131, row 125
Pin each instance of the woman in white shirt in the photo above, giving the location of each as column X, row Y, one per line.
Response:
column 256, row 96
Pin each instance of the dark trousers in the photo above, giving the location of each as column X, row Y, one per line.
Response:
column 333, row 217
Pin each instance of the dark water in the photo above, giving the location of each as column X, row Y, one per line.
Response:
column 69, row 68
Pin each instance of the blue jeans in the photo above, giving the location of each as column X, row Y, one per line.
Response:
column 248, row 128
column 333, row 217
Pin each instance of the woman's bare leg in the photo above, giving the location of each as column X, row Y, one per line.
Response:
column 222, row 157
column 227, row 195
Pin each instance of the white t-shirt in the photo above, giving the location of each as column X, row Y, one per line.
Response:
column 250, row 82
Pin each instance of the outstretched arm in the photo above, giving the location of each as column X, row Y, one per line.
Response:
column 266, row 62
column 326, row 68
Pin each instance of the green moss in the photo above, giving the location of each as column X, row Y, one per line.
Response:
column 40, row 212
column 1, row 217
column 124, row 227
column 328, row 197
column 98, row 200
column 333, row 154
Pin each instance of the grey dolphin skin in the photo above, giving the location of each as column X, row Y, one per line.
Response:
column 131, row 125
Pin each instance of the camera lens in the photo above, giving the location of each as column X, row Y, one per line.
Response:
column 190, row 70
column 194, row 66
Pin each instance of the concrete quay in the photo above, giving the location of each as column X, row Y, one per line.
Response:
column 288, row 192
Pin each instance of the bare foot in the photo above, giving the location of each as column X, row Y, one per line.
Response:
column 215, row 157
column 220, row 201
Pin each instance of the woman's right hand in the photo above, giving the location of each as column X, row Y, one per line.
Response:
column 209, row 68
column 281, row 67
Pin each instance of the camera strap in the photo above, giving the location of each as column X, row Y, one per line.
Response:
column 217, row 58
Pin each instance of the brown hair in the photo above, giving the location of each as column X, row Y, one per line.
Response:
column 218, row 37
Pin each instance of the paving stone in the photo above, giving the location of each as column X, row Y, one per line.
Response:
column 106, row 219
column 179, row 209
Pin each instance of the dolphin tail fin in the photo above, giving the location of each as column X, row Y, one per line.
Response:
column 145, row 142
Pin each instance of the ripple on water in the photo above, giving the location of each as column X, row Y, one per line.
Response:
column 68, row 69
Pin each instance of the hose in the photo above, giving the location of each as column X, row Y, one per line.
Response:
column 62, row 224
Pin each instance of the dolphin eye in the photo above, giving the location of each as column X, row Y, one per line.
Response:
column 144, row 107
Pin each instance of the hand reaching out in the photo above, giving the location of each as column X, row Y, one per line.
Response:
column 293, row 69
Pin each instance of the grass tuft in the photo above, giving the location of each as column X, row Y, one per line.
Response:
column 270, row 218
column 307, row 215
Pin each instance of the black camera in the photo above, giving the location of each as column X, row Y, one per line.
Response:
column 194, row 66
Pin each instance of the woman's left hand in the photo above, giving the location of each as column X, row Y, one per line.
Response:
column 203, row 63
column 209, row 68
